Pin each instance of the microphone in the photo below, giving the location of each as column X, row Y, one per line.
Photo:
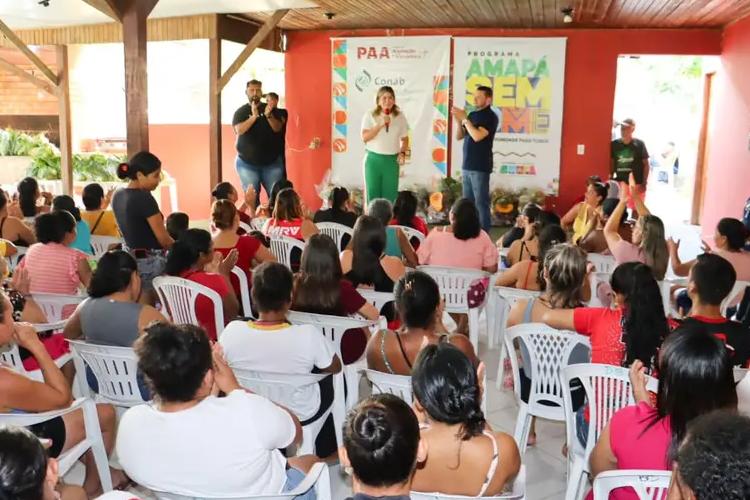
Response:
column 387, row 112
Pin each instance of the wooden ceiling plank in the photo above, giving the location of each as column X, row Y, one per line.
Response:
column 10, row 35
column 107, row 7
column 38, row 82
column 254, row 42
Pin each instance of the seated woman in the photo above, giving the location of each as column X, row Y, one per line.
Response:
column 19, row 393
column 525, row 274
column 234, row 440
column 12, row 228
column 320, row 288
column 421, row 310
column 289, row 218
column 28, row 195
column 382, row 448
column 585, row 216
column 405, row 212
column 250, row 251
column 272, row 344
column 192, row 257
column 594, row 241
column 101, row 221
column 364, row 263
column 340, row 209
column 83, row 233
column 465, row 456
column 396, row 242
column 52, row 266
column 246, row 211
column 648, row 247
column 531, row 210
column 695, row 377
column 527, row 246
column 462, row 244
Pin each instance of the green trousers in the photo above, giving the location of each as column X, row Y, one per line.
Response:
column 381, row 176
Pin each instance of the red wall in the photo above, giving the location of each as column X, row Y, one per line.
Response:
column 590, row 75
column 728, row 158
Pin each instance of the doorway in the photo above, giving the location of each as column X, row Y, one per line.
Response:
column 665, row 96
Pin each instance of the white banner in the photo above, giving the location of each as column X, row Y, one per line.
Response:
column 527, row 77
column 417, row 68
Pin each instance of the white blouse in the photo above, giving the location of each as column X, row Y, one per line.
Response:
column 386, row 143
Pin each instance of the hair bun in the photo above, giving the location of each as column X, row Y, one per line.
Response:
column 123, row 170
column 372, row 429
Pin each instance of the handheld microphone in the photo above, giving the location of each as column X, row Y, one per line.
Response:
column 387, row 113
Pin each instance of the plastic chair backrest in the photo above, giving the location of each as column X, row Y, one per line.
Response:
column 549, row 350
column 278, row 387
column 739, row 374
column 738, row 291
column 10, row 355
column 602, row 263
column 607, row 390
column 178, row 297
column 332, row 327
column 648, row 484
column 518, row 491
column 101, row 244
column 244, row 291
column 377, row 299
column 246, row 227
column 454, row 285
column 410, row 233
column 15, row 259
column 115, row 369
column 387, row 383
column 57, row 306
column 282, row 247
column 335, row 230
column 257, row 223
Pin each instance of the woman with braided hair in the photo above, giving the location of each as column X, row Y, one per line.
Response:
column 465, row 456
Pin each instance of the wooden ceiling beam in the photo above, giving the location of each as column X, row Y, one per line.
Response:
column 253, row 44
column 109, row 8
column 42, row 84
column 10, row 35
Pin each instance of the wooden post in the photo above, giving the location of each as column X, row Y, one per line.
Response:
column 214, row 99
column 134, row 15
column 63, row 100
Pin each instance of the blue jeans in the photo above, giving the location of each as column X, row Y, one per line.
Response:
column 476, row 187
column 293, row 478
column 267, row 175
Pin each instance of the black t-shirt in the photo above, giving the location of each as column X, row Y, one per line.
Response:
column 132, row 207
column 628, row 158
column 338, row 216
column 478, row 155
column 259, row 145
column 733, row 334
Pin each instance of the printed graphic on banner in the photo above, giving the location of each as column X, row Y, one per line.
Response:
column 417, row 69
column 526, row 76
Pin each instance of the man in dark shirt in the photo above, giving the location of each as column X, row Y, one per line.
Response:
column 711, row 279
column 629, row 155
column 272, row 98
column 259, row 159
column 477, row 130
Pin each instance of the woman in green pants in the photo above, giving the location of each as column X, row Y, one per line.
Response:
column 386, row 135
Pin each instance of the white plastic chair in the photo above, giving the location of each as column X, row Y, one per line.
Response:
column 501, row 300
column 518, row 491
column 739, row 374
column 602, row 263
column 10, row 355
column 410, row 233
column 454, row 285
column 281, row 388
column 178, row 297
column 56, row 306
column 735, row 296
column 92, row 441
column 333, row 328
column 336, row 231
column 317, row 478
column 115, row 369
column 15, row 259
column 377, row 299
column 388, row 383
column 102, row 244
column 247, row 309
column 648, row 484
column 256, row 224
column 549, row 350
column 607, row 390
column 282, row 247
column 246, row 227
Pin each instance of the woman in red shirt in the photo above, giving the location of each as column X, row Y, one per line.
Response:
column 192, row 257
column 405, row 213
column 225, row 191
column 250, row 251
column 320, row 288
column 288, row 218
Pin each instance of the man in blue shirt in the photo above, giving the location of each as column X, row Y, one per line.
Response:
column 477, row 130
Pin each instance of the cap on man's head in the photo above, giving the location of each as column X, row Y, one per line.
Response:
column 628, row 122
